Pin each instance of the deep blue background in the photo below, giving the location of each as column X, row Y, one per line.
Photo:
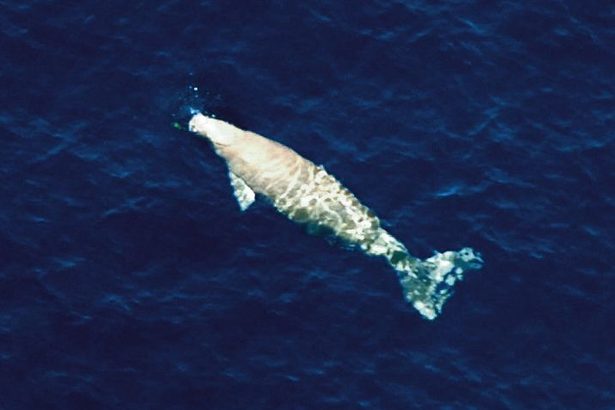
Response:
column 129, row 279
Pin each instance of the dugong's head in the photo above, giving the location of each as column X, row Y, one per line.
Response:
column 217, row 131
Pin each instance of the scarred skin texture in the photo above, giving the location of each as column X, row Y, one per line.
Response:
column 296, row 186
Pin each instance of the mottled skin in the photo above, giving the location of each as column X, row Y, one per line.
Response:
column 307, row 194
column 297, row 187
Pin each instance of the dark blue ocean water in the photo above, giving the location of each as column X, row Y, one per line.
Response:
column 130, row 280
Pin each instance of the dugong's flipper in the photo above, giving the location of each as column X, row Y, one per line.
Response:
column 244, row 194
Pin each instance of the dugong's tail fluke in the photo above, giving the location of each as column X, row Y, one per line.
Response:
column 427, row 284
column 430, row 283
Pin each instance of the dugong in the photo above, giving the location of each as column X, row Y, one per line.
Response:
column 306, row 193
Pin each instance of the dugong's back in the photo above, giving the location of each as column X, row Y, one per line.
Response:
column 303, row 191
